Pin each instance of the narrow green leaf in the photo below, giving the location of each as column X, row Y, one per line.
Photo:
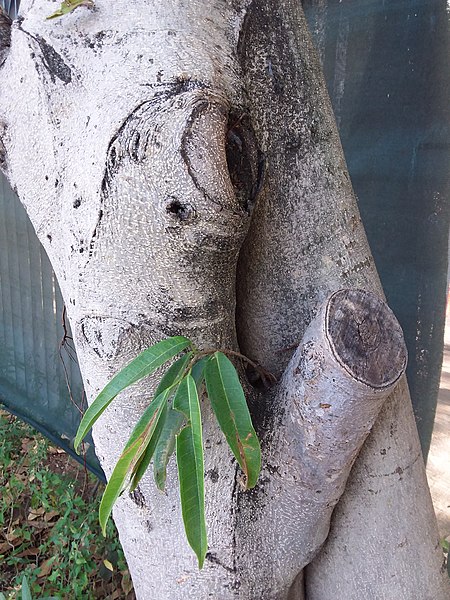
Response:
column 189, row 450
column 230, row 407
column 198, row 369
column 142, row 464
column 166, row 446
column 141, row 366
column 172, row 428
column 174, row 373
column 140, row 438
column 171, row 378
column 26, row 593
column 68, row 6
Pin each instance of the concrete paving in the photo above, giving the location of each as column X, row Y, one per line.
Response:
column 438, row 464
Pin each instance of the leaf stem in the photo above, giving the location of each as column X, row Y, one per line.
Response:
column 263, row 372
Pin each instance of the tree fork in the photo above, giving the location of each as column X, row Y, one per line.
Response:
column 143, row 199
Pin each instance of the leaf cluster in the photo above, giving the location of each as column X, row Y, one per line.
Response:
column 172, row 422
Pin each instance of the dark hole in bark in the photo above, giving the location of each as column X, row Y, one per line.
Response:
column 240, row 156
column 77, row 203
column 260, row 404
column 254, row 378
column 2, row 154
column 112, row 157
column 138, row 497
column 134, row 147
column 181, row 210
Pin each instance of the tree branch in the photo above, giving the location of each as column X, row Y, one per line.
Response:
column 306, row 240
column 351, row 357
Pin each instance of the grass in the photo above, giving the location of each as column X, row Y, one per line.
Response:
column 49, row 529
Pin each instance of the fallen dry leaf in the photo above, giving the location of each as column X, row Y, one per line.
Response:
column 108, row 565
column 12, row 535
column 46, row 567
column 39, row 524
column 51, row 515
column 28, row 552
column 35, row 513
column 5, row 547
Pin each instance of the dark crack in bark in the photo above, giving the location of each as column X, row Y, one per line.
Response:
column 246, row 163
column 53, row 62
column 5, row 35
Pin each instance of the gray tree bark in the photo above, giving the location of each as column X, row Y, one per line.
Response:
column 180, row 163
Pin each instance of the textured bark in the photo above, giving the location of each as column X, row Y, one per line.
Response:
column 350, row 358
column 306, row 240
column 5, row 35
column 396, row 492
column 138, row 141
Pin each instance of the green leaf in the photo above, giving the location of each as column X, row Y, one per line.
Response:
column 189, row 450
column 138, row 471
column 140, row 438
column 198, row 369
column 171, row 378
column 141, row 366
column 26, row 593
column 230, row 407
column 174, row 373
column 166, row 445
column 68, row 6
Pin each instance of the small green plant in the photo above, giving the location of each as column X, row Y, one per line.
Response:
column 172, row 421
column 26, row 592
column 49, row 529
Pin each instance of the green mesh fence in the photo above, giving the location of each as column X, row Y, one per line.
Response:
column 39, row 377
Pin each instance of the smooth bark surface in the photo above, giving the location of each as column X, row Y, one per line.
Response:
column 396, row 491
column 147, row 140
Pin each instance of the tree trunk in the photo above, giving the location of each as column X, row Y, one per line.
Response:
column 161, row 148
